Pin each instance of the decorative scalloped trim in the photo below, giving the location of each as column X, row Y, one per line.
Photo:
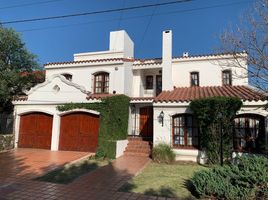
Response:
column 63, row 79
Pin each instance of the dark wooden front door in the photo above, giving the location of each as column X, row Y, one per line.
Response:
column 35, row 131
column 158, row 84
column 146, row 122
column 79, row 132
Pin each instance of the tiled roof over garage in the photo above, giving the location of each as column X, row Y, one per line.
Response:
column 187, row 94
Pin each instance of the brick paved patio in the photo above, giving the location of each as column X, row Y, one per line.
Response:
column 102, row 183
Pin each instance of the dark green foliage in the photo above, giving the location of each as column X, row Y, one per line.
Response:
column 162, row 153
column 114, row 121
column 213, row 114
column 14, row 60
column 246, row 179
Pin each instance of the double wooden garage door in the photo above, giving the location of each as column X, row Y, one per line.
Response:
column 78, row 131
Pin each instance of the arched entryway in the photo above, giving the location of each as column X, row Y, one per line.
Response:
column 79, row 132
column 249, row 133
column 35, row 130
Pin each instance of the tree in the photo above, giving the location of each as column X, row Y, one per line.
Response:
column 15, row 60
column 215, row 116
column 251, row 39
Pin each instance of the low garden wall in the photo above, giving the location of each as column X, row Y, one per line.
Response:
column 6, row 142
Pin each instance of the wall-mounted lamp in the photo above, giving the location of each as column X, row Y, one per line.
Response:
column 161, row 117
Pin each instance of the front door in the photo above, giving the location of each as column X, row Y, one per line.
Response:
column 158, row 84
column 146, row 122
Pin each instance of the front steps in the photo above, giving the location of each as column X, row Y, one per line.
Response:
column 138, row 147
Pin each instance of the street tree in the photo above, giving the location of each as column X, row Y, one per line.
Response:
column 15, row 62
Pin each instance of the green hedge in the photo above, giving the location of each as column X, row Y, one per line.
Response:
column 246, row 179
column 212, row 114
column 114, row 113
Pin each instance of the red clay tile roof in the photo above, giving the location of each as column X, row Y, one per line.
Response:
column 149, row 61
column 187, row 94
column 99, row 96
column 142, row 98
column 91, row 61
column 20, row 98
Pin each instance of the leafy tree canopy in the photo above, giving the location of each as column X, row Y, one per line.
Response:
column 15, row 60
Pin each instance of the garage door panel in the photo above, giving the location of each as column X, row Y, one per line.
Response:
column 35, row 131
column 79, row 132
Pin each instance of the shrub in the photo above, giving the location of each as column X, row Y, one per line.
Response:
column 162, row 153
column 215, row 114
column 246, row 179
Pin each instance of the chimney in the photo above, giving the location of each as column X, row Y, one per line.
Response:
column 121, row 42
column 185, row 54
column 167, row 83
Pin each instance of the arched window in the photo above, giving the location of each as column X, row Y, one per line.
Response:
column 69, row 77
column 249, row 133
column 185, row 131
column 101, row 83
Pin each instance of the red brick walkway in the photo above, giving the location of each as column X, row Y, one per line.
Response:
column 99, row 184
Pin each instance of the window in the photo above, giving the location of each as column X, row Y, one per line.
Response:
column 68, row 76
column 248, row 133
column 194, row 76
column 101, row 83
column 185, row 131
column 227, row 77
column 149, row 82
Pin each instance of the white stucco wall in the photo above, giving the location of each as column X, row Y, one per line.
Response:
column 120, row 147
column 84, row 75
column 163, row 134
column 210, row 72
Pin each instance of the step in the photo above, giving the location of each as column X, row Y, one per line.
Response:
column 138, row 143
column 139, row 151
column 137, row 154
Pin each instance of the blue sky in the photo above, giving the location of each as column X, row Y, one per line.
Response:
column 194, row 30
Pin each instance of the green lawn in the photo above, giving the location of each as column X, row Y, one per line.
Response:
column 164, row 180
column 70, row 172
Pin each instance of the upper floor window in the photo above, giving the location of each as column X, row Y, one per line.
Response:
column 149, row 82
column 69, row 77
column 194, row 76
column 185, row 131
column 101, row 83
column 227, row 77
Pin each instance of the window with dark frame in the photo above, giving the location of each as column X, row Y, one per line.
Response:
column 227, row 77
column 194, row 76
column 185, row 131
column 69, row 77
column 101, row 83
column 149, row 83
column 248, row 131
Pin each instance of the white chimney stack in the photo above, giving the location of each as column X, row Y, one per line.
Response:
column 185, row 54
column 167, row 83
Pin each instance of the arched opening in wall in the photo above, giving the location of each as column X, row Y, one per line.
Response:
column 35, row 130
column 249, row 133
column 101, row 83
column 185, row 131
column 79, row 132
column 69, row 77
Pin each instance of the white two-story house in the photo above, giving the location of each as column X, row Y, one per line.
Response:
column 160, row 90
